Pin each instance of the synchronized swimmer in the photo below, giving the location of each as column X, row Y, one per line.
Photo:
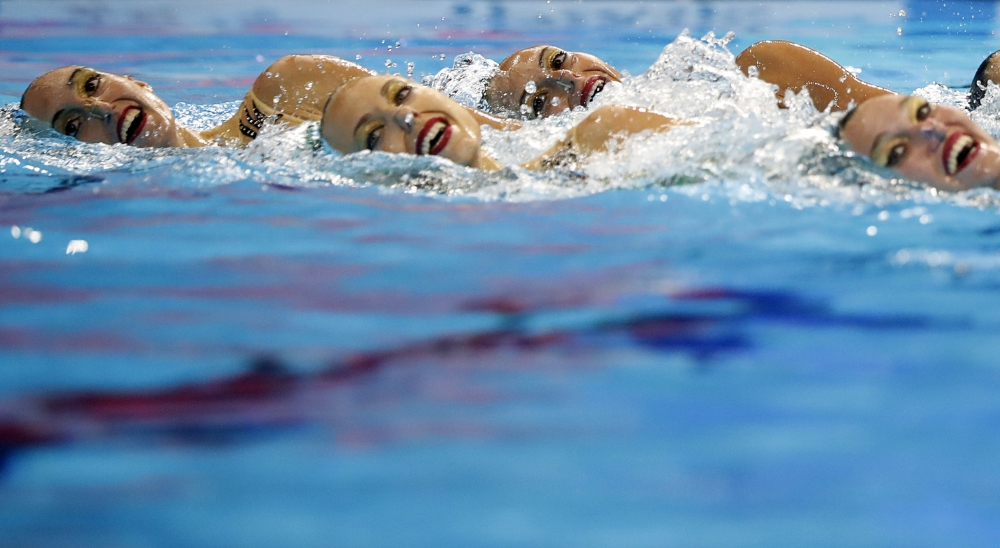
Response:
column 360, row 110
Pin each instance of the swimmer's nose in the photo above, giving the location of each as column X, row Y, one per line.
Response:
column 567, row 80
column 405, row 118
column 99, row 110
column 932, row 130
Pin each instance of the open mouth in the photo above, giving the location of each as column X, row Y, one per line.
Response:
column 959, row 150
column 132, row 120
column 590, row 90
column 434, row 136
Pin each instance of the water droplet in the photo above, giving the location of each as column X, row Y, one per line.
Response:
column 397, row 45
column 899, row 31
column 409, row 69
column 555, row 101
column 530, row 86
column 408, row 119
column 902, row 13
column 15, row 231
column 390, row 48
column 309, row 85
column 388, row 62
column 753, row 71
column 357, row 57
column 77, row 246
column 525, row 110
column 872, row 230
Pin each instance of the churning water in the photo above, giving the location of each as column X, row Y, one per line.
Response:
column 735, row 333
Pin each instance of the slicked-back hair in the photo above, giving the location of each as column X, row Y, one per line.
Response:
column 979, row 83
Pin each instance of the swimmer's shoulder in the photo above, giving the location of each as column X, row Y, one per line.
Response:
column 299, row 85
column 599, row 131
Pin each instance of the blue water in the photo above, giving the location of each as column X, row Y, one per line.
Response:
column 739, row 347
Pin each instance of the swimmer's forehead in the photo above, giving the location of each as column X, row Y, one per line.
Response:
column 534, row 54
column 47, row 87
column 867, row 128
column 351, row 107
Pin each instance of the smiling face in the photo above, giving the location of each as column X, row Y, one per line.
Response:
column 393, row 114
column 97, row 107
column 934, row 144
column 559, row 80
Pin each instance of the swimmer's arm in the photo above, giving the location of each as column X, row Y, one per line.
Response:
column 602, row 127
column 493, row 121
column 794, row 66
column 300, row 84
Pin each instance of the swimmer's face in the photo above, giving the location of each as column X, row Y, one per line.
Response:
column 97, row 107
column 562, row 80
column 393, row 114
column 934, row 144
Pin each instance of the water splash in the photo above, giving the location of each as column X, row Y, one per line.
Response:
column 733, row 143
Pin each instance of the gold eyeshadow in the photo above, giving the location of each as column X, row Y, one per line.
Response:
column 392, row 89
column 361, row 136
column 883, row 148
column 913, row 105
column 80, row 79
column 549, row 56
column 881, row 154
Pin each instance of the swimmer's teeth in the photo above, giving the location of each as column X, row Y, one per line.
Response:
column 437, row 131
column 127, row 124
column 962, row 145
column 595, row 89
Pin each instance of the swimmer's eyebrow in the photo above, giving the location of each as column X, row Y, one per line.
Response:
column 56, row 117
column 72, row 77
column 877, row 143
column 364, row 120
column 385, row 87
column 541, row 57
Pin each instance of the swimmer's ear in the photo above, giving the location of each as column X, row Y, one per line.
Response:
column 140, row 82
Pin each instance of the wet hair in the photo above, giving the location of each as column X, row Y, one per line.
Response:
column 843, row 122
column 980, row 82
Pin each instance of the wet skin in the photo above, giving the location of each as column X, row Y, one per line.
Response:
column 98, row 107
column 563, row 80
column 392, row 114
column 935, row 144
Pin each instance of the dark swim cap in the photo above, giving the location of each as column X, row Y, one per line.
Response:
column 980, row 81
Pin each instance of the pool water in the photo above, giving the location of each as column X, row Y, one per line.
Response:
column 733, row 334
